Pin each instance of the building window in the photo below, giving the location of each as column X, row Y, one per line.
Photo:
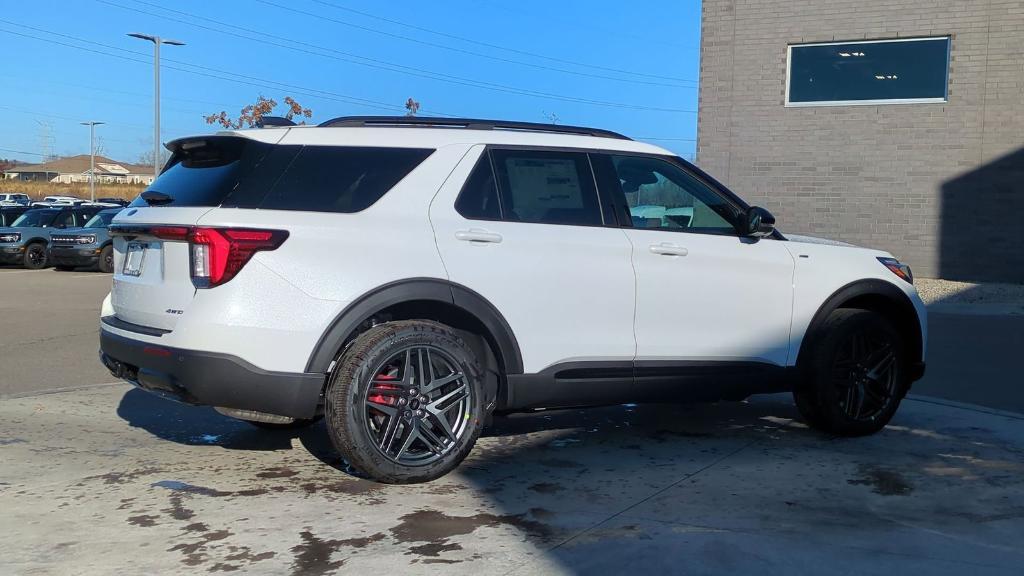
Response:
column 870, row 72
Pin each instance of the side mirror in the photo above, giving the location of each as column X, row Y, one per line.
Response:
column 759, row 222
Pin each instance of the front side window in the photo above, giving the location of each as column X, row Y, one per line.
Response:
column 547, row 187
column 661, row 195
column 872, row 72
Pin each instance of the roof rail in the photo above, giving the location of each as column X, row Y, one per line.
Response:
column 267, row 121
column 468, row 123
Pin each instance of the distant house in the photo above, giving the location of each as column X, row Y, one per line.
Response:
column 76, row 169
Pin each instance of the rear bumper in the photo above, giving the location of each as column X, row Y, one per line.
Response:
column 210, row 379
column 73, row 256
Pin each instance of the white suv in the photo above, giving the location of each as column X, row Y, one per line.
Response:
column 408, row 277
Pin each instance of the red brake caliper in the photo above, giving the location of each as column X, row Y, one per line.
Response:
column 381, row 398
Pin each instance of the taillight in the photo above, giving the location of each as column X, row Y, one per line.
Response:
column 175, row 233
column 217, row 254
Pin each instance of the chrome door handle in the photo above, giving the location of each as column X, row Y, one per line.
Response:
column 668, row 249
column 477, row 235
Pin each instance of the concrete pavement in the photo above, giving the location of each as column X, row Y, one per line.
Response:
column 49, row 329
column 110, row 479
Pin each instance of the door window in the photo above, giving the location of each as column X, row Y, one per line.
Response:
column 479, row 197
column 547, row 187
column 65, row 220
column 661, row 195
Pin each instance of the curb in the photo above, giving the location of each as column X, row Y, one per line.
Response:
column 965, row 406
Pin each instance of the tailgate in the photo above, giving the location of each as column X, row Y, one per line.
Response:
column 152, row 282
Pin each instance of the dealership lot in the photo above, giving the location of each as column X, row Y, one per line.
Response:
column 101, row 477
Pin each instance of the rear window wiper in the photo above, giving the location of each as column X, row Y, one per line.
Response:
column 154, row 198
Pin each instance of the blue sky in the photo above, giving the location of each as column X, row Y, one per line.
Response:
column 625, row 66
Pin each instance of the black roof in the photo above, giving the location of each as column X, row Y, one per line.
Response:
column 468, row 123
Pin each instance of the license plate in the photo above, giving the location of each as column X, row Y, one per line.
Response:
column 134, row 256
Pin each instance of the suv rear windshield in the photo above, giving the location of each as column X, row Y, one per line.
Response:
column 241, row 173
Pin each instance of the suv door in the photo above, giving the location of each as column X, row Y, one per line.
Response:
column 524, row 228
column 704, row 293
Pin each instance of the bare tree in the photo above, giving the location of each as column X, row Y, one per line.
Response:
column 250, row 115
column 146, row 158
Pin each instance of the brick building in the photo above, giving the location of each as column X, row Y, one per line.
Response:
column 896, row 124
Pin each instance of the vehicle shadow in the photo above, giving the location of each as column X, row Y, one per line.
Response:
column 201, row 425
column 629, row 423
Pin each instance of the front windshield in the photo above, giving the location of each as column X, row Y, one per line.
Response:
column 35, row 218
column 101, row 220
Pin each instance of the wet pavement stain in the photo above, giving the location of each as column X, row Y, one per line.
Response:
column 434, row 549
column 189, row 488
column 123, row 477
column 560, row 463
column 884, row 482
column 546, row 487
column 277, row 472
column 178, row 511
column 313, row 556
column 434, row 528
column 145, row 520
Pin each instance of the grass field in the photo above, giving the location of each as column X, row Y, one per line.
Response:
column 37, row 190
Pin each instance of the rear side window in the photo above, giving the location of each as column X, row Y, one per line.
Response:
column 547, row 187
column 341, row 179
column 479, row 197
column 241, row 173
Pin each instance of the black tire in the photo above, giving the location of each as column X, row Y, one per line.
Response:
column 106, row 262
column 856, row 374
column 294, row 425
column 35, row 256
column 64, row 268
column 421, row 418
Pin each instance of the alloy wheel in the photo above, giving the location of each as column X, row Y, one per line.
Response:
column 36, row 256
column 417, row 405
column 865, row 374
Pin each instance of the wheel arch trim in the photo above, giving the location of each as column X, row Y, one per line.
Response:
column 866, row 287
column 416, row 289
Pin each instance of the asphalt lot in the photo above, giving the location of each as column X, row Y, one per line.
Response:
column 104, row 478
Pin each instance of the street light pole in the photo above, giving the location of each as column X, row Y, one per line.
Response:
column 92, row 157
column 157, row 41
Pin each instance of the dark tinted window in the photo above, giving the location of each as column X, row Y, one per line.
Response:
column 341, row 179
column 479, row 197
column 865, row 71
column 7, row 217
column 208, row 171
column 547, row 187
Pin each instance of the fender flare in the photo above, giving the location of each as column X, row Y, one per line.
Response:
column 417, row 289
column 901, row 302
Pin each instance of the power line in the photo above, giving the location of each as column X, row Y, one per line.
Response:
column 390, row 66
column 215, row 73
column 461, row 50
column 11, row 151
column 603, row 30
column 494, row 46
